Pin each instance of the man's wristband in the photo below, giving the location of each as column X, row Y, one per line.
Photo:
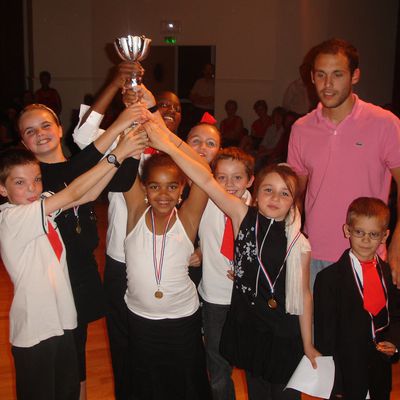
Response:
column 153, row 109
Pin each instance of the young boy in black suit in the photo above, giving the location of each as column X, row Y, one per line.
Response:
column 354, row 300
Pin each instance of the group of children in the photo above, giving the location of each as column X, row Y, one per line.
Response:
column 257, row 305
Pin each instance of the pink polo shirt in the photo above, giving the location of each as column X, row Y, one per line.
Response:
column 342, row 162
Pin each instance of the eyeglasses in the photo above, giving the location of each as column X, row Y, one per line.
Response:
column 174, row 107
column 358, row 233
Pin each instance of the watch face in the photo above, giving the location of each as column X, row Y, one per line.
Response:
column 111, row 158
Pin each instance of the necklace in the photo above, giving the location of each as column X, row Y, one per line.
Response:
column 158, row 265
column 272, row 303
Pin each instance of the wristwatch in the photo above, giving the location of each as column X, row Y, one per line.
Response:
column 153, row 109
column 112, row 159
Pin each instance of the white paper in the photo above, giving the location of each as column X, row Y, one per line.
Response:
column 314, row 382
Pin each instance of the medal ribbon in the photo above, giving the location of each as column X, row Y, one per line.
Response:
column 360, row 290
column 158, row 265
column 264, row 270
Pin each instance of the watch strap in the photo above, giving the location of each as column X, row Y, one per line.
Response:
column 112, row 159
column 153, row 109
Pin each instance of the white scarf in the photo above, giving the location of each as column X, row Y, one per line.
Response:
column 294, row 275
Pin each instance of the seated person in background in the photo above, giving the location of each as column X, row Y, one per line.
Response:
column 354, row 300
column 260, row 125
column 279, row 154
column 231, row 127
column 202, row 94
column 47, row 95
column 271, row 139
column 296, row 97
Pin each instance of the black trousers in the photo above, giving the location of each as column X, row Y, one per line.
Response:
column 169, row 358
column 115, row 285
column 48, row 370
column 260, row 389
column 80, row 338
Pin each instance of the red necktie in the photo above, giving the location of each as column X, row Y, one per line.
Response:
column 374, row 297
column 54, row 240
column 227, row 240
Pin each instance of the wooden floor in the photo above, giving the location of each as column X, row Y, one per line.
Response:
column 99, row 375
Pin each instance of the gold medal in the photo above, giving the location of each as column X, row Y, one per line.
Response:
column 272, row 303
column 158, row 265
column 78, row 228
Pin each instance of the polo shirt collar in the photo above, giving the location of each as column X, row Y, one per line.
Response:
column 354, row 112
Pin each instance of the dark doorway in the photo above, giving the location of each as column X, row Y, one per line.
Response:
column 12, row 51
column 176, row 68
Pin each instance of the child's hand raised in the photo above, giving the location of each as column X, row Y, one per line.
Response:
column 132, row 143
column 146, row 97
column 386, row 348
column 136, row 113
column 140, row 94
column 158, row 136
column 123, row 73
column 131, row 97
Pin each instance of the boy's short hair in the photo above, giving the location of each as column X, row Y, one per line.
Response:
column 235, row 154
column 369, row 207
column 13, row 157
column 335, row 46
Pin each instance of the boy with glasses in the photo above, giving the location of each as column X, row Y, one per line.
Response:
column 354, row 300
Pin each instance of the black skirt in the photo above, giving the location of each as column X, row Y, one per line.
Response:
column 169, row 359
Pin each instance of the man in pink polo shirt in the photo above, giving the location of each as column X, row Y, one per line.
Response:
column 344, row 149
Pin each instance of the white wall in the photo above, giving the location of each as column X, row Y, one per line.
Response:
column 63, row 45
column 259, row 43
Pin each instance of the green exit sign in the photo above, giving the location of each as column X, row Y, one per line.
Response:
column 170, row 39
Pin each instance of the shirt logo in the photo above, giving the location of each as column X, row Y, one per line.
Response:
column 359, row 144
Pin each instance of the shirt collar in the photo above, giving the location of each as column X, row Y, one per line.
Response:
column 5, row 206
column 353, row 114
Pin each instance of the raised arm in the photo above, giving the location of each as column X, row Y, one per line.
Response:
column 122, row 72
column 201, row 175
column 135, row 203
column 131, row 115
column 90, row 184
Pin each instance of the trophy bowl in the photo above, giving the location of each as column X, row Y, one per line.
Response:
column 133, row 49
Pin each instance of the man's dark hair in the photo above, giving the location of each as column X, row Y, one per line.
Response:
column 335, row 46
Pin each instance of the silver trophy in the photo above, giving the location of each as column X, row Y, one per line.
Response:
column 134, row 49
